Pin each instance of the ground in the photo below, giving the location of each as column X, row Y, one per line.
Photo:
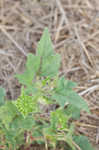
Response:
column 74, row 29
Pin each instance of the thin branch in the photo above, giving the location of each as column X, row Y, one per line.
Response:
column 63, row 19
column 97, row 136
column 90, row 89
column 83, row 46
column 13, row 41
column 4, row 52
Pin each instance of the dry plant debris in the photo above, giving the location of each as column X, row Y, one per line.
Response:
column 74, row 26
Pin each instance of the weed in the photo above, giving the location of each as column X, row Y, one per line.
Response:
column 31, row 118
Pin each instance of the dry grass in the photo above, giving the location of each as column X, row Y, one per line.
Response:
column 74, row 26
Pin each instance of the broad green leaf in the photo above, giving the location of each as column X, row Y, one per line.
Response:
column 50, row 66
column 26, row 78
column 7, row 113
column 60, row 99
column 33, row 63
column 83, row 142
column 45, row 47
column 62, row 85
column 76, row 100
column 22, row 123
column 32, row 89
column 32, row 67
column 65, row 84
column 13, row 137
column 19, row 140
column 45, row 63
column 2, row 94
column 50, row 62
column 72, row 98
column 10, row 138
column 64, row 94
column 74, row 111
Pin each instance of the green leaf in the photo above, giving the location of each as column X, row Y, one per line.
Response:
column 74, row 99
column 62, row 85
column 45, row 63
column 60, row 99
column 26, row 104
column 64, row 94
column 32, row 89
column 26, row 78
column 13, row 137
column 19, row 140
column 2, row 95
column 7, row 113
column 32, row 66
column 45, row 47
column 83, row 142
column 50, row 66
column 71, row 98
column 10, row 138
column 59, row 118
column 65, row 84
column 74, row 111
column 22, row 123
column 50, row 62
column 33, row 63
